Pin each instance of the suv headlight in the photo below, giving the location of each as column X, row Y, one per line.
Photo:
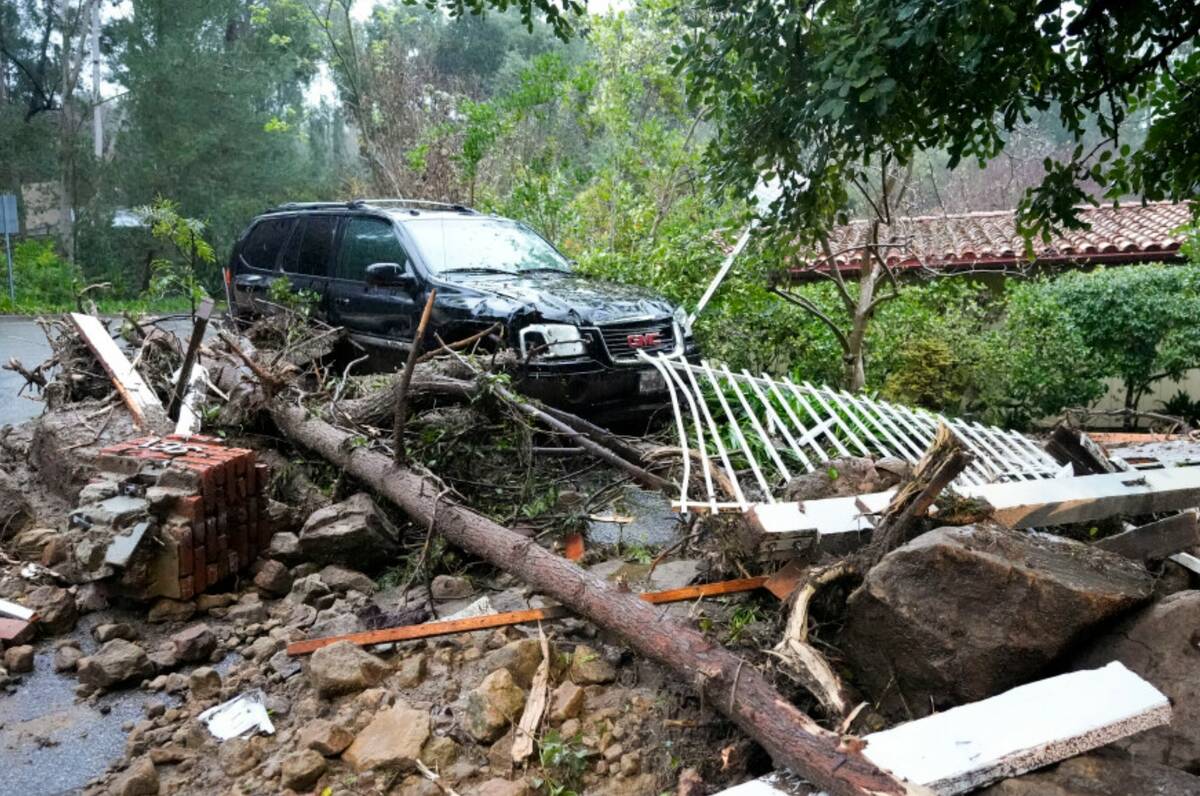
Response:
column 552, row 340
column 681, row 320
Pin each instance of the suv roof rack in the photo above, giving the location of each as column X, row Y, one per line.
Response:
column 307, row 206
column 460, row 208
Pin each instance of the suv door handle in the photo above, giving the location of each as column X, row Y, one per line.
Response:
column 342, row 300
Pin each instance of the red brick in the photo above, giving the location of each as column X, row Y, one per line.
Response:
column 199, row 569
column 186, row 590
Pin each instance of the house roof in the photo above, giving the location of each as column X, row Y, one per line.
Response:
column 989, row 241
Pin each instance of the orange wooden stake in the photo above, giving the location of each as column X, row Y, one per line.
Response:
column 472, row 623
column 573, row 547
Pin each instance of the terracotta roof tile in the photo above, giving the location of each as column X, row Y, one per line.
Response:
column 990, row 240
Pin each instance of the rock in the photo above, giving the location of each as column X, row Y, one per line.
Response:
column 301, row 770
column 285, row 547
column 640, row 785
column 417, row 785
column 56, row 551
column 247, row 613
column 440, row 752
column 342, row 580
column 311, row 590
column 140, row 779
column 118, row 661
column 204, row 683
column 566, row 702
column 961, row 614
column 109, row 630
column 273, row 578
column 285, row 665
column 1159, row 643
column 19, row 660
column 325, row 737
column 168, row 610
column 343, row 668
column 1099, row 774
column 55, row 608
column 521, row 658
column 354, row 533
column 588, row 668
column 91, row 597
column 196, row 643
column 335, row 622
column 844, row 477
column 411, row 671
column 65, row 658
column 207, row 602
column 449, row 587
column 236, row 756
column 492, row 706
column 393, row 739
column 502, row 787
column 262, row 648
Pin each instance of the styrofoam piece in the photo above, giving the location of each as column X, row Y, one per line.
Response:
column 245, row 713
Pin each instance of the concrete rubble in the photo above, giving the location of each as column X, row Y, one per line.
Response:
column 169, row 577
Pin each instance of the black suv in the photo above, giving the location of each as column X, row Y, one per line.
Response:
column 373, row 263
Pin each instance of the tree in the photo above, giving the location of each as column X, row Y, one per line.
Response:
column 837, row 100
column 179, row 274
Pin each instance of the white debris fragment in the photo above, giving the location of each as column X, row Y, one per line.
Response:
column 240, row 715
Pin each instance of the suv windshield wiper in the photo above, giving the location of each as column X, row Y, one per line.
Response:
column 544, row 269
column 477, row 269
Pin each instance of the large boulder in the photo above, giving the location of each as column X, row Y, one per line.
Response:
column 1159, row 643
column 1099, row 774
column 118, row 661
column 354, row 533
column 960, row 614
column 343, row 668
column 392, row 740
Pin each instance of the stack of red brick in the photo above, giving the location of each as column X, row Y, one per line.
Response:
column 208, row 499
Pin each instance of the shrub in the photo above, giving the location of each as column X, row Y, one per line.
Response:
column 44, row 281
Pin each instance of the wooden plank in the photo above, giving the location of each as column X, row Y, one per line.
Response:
column 147, row 411
column 471, row 624
column 189, row 357
column 1007, row 735
column 1156, row 540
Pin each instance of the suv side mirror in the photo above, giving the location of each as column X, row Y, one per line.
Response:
column 390, row 275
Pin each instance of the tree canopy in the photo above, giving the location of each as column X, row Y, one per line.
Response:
column 821, row 95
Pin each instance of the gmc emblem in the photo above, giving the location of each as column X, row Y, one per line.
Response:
column 642, row 340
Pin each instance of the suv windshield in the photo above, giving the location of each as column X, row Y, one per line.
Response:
column 483, row 244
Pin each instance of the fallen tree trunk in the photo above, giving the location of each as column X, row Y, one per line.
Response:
column 739, row 691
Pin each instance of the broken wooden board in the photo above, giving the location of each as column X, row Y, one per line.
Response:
column 1156, row 540
column 486, row 622
column 145, row 408
column 1017, row 504
column 1010, row 734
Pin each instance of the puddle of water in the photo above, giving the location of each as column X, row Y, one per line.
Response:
column 652, row 522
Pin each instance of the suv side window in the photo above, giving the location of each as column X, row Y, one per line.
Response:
column 367, row 241
column 311, row 246
column 261, row 249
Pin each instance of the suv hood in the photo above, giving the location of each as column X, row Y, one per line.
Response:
column 554, row 297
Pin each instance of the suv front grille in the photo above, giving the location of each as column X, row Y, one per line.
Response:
column 624, row 340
